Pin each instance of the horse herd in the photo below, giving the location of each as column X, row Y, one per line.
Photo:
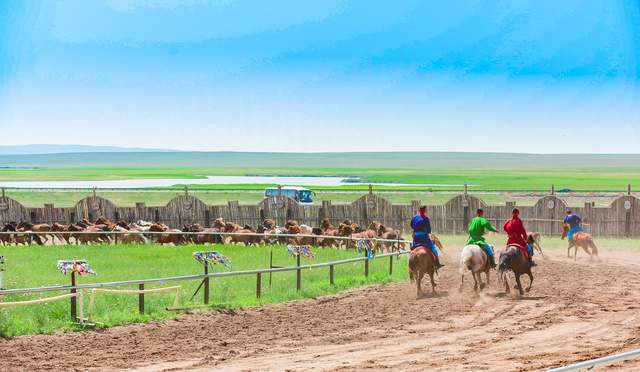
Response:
column 102, row 230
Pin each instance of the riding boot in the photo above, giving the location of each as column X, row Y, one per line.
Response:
column 438, row 264
column 531, row 263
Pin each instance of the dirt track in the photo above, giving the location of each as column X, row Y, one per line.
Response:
column 575, row 311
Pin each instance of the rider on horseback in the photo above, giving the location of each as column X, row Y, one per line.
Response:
column 575, row 223
column 421, row 226
column 477, row 228
column 518, row 236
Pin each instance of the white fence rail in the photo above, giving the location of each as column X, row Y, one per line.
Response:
column 590, row 365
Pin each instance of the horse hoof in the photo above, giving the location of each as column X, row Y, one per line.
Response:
column 482, row 286
column 528, row 290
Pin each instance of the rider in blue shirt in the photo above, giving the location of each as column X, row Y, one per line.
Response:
column 575, row 224
column 421, row 234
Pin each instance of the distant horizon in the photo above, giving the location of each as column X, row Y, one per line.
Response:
column 123, row 149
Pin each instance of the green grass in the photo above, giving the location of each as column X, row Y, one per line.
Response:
column 36, row 266
column 489, row 171
column 610, row 179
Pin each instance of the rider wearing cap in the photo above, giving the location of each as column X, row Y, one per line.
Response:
column 477, row 229
column 421, row 226
column 518, row 235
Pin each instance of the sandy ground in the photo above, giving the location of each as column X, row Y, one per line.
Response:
column 576, row 311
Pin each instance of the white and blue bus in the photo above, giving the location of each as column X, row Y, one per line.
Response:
column 299, row 194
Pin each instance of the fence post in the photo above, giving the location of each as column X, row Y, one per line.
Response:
column 258, row 285
column 270, row 264
column 331, row 274
column 366, row 267
column 141, row 299
column 74, row 308
column 390, row 265
column 298, row 274
column 206, row 285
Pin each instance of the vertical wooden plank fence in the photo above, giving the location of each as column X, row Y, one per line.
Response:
column 620, row 219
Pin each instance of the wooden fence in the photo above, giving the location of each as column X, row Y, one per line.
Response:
column 620, row 219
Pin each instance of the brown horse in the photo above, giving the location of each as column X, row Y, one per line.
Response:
column 512, row 259
column 580, row 240
column 421, row 262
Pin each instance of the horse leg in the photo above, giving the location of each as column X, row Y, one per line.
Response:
column 530, row 280
column 461, row 282
column 475, row 282
column 575, row 252
column 519, row 284
column 594, row 249
column 586, row 249
column 487, row 274
column 507, row 290
column 418, row 276
column 482, row 284
column 569, row 250
column 433, row 283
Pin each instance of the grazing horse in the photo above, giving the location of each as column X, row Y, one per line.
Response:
column 474, row 259
column 421, row 262
column 513, row 259
column 580, row 240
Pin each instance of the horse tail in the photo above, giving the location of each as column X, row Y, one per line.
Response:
column 466, row 261
column 503, row 267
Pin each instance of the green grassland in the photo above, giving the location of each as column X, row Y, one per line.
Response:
column 487, row 171
column 489, row 175
column 483, row 179
column 36, row 266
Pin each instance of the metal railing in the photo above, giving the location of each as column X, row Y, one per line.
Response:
column 590, row 365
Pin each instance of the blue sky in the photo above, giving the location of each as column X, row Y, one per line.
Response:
column 529, row 76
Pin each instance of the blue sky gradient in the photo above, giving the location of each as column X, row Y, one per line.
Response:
column 529, row 76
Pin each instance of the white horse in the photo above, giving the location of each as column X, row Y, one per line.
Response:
column 474, row 259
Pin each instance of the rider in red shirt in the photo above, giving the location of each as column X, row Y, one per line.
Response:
column 518, row 235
